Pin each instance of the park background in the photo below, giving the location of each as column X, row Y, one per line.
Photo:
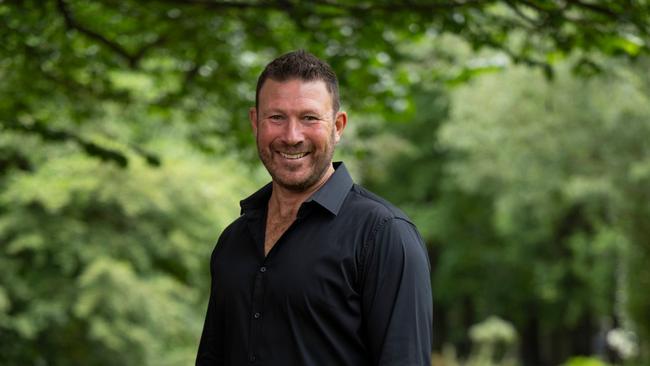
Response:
column 514, row 133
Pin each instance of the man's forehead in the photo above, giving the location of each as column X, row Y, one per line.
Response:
column 295, row 90
column 271, row 83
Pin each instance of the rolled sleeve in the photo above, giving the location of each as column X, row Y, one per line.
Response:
column 396, row 296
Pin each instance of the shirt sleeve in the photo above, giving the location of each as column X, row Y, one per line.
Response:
column 396, row 296
column 211, row 345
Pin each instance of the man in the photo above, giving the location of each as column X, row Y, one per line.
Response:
column 316, row 270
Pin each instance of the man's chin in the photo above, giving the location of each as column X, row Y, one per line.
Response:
column 296, row 182
column 294, row 185
column 297, row 178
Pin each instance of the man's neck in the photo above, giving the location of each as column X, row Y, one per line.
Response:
column 284, row 203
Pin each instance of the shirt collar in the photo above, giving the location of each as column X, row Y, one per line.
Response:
column 330, row 196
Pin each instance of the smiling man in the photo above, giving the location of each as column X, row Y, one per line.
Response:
column 316, row 270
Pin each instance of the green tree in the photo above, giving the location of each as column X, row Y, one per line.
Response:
column 107, row 266
column 530, row 195
column 63, row 59
column 93, row 256
column 566, row 164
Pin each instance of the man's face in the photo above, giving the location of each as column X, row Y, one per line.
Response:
column 296, row 130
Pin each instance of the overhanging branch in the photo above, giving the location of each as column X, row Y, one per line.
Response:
column 132, row 58
column 91, row 148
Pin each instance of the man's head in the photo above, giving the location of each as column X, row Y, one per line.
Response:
column 304, row 66
column 296, row 120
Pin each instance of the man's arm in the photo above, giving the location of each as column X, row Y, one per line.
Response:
column 397, row 301
column 211, row 345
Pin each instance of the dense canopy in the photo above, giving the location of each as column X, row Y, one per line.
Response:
column 512, row 132
column 64, row 61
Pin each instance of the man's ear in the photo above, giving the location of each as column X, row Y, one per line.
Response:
column 340, row 122
column 252, row 116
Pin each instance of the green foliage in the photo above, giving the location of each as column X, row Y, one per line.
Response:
column 106, row 266
column 584, row 361
column 199, row 59
column 560, row 160
column 494, row 342
column 533, row 198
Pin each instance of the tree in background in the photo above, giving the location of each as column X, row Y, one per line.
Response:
column 531, row 198
column 566, row 166
column 62, row 60
column 105, row 263
column 107, row 266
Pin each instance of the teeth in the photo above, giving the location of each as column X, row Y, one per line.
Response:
column 292, row 156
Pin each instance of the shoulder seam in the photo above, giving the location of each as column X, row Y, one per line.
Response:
column 364, row 193
column 390, row 210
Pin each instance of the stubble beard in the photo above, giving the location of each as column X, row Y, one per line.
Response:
column 318, row 171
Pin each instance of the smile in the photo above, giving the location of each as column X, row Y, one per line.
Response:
column 293, row 156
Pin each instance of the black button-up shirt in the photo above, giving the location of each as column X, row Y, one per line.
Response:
column 347, row 284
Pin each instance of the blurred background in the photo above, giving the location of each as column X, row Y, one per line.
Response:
column 514, row 133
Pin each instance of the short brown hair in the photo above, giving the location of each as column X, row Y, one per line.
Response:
column 301, row 65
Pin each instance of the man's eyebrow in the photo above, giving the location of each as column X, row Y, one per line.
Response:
column 272, row 111
column 300, row 111
column 310, row 111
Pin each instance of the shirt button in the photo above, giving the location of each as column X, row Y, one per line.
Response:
column 257, row 315
column 262, row 269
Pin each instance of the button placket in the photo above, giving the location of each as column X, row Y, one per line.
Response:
column 256, row 313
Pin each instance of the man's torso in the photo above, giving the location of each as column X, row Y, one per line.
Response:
column 305, row 292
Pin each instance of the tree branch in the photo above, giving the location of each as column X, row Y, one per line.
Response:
column 403, row 6
column 595, row 8
column 629, row 14
column 532, row 23
column 91, row 148
column 222, row 5
column 71, row 23
column 131, row 58
column 362, row 7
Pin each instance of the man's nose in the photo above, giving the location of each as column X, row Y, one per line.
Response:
column 292, row 133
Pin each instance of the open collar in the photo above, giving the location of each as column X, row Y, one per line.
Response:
column 330, row 196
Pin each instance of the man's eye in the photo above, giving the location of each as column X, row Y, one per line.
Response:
column 276, row 117
column 310, row 118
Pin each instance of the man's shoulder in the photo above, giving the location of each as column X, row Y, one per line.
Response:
column 363, row 201
column 235, row 226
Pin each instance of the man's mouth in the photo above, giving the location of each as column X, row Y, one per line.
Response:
column 293, row 156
